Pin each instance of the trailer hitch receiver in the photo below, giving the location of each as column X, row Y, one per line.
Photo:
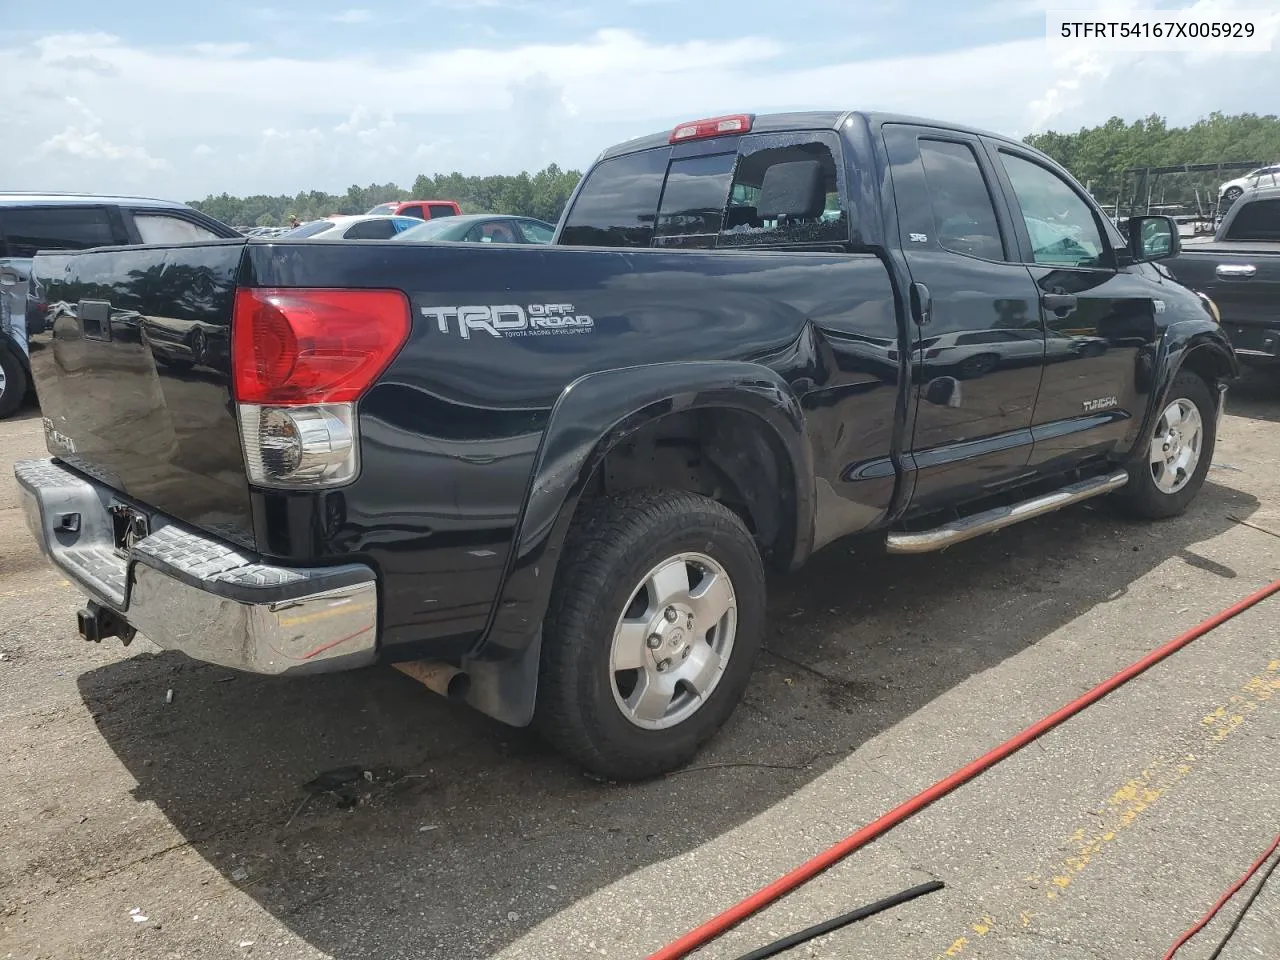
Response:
column 97, row 623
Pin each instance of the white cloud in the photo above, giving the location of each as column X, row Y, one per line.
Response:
column 302, row 123
column 353, row 15
column 87, row 143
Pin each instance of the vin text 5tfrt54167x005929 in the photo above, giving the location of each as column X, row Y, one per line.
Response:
column 557, row 474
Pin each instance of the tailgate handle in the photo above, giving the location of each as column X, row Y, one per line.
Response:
column 1236, row 271
column 95, row 319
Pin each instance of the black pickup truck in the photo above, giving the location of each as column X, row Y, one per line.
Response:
column 551, row 477
column 1239, row 269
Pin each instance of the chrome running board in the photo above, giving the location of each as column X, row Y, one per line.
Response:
column 957, row 531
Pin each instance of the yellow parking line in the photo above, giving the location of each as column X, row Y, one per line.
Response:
column 1122, row 808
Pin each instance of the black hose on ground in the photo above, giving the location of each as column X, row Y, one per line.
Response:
column 835, row 923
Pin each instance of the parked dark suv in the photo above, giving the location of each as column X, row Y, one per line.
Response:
column 38, row 221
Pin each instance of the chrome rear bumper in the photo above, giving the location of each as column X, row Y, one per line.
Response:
column 187, row 591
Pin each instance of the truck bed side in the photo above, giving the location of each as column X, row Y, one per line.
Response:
column 452, row 431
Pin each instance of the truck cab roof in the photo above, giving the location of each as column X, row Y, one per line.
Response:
column 804, row 120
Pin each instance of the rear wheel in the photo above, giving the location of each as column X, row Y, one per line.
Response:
column 13, row 382
column 1169, row 472
column 656, row 620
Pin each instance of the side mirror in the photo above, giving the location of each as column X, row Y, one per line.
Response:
column 1153, row 238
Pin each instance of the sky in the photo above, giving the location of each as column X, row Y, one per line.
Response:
column 183, row 100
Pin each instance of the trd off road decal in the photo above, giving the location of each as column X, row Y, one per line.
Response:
column 510, row 320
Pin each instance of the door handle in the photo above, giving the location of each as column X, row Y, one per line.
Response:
column 1060, row 304
column 921, row 304
column 1235, row 271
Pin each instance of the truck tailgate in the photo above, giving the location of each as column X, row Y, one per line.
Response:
column 132, row 370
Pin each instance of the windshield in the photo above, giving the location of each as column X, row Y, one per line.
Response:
column 433, row 229
column 383, row 209
column 309, row 229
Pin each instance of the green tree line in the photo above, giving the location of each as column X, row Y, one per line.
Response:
column 542, row 195
column 1098, row 156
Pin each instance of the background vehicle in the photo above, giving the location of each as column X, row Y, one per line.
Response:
column 419, row 209
column 483, row 229
column 1232, row 190
column 1239, row 269
column 1191, row 193
column 352, row 228
column 556, row 473
column 38, row 221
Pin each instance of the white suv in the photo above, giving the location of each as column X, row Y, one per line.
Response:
column 1268, row 176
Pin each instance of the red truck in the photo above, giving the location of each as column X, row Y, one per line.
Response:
column 422, row 209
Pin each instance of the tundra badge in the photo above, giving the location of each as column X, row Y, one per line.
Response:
column 1101, row 403
column 54, row 438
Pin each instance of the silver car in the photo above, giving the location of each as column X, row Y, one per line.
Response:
column 363, row 227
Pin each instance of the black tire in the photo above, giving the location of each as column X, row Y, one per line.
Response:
column 1232, row 194
column 1141, row 496
column 16, row 383
column 613, row 543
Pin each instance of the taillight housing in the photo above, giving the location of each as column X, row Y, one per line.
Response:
column 301, row 358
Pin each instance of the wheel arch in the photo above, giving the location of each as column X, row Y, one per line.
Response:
column 1199, row 346
column 593, row 416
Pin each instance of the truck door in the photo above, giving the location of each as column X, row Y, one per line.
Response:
column 978, row 343
column 1098, row 315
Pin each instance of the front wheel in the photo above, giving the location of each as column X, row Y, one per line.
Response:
column 1168, row 473
column 656, row 619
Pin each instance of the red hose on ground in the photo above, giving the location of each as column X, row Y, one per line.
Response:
column 802, row 874
column 1222, row 902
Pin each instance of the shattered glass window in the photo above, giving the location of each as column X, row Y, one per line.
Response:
column 743, row 226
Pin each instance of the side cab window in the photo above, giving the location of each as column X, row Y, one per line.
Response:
column 964, row 214
column 1061, row 225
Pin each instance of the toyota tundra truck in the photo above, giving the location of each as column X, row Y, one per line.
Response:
column 550, row 479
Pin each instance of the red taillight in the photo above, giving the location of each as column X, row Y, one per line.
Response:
column 711, row 127
column 301, row 346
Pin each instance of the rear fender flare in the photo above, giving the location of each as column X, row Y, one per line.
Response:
column 592, row 415
column 600, row 410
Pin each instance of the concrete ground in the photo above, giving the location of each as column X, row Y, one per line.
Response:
column 135, row 825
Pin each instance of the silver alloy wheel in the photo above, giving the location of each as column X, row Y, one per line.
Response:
column 673, row 641
column 1176, row 446
column 4, row 381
